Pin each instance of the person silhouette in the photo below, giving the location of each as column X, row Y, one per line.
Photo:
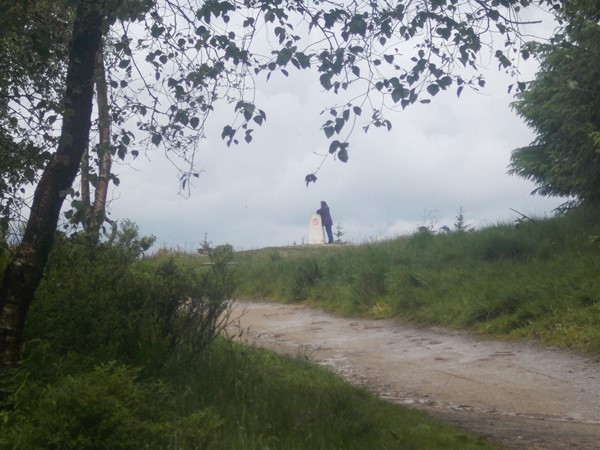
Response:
column 326, row 221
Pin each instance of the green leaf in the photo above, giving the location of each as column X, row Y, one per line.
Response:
column 303, row 60
column 156, row 138
column 325, row 80
column 444, row 82
column 334, row 146
column 444, row 32
column 29, row 174
column 284, row 56
column 358, row 25
column 433, row 89
column 228, row 132
column 156, row 30
column 248, row 111
column 398, row 94
column 310, row 178
column 504, row 61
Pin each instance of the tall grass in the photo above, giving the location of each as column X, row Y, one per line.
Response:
column 266, row 401
column 538, row 279
column 233, row 397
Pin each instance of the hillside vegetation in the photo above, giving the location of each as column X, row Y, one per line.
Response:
column 535, row 279
column 123, row 352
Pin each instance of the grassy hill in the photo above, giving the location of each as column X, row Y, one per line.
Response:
column 536, row 279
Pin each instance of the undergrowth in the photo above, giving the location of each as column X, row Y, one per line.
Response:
column 124, row 353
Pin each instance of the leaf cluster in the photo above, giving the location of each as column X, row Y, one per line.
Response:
column 33, row 37
column 172, row 63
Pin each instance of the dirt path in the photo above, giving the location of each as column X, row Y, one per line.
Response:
column 521, row 396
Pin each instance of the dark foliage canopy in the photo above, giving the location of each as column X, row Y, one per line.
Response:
column 562, row 105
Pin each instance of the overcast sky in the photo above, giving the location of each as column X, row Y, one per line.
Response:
column 437, row 158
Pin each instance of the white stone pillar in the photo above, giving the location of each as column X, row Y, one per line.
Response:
column 315, row 230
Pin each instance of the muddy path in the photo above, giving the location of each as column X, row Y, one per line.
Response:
column 521, row 396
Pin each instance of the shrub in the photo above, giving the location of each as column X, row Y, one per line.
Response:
column 100, row 302
column 182, row 309
column 107, row 408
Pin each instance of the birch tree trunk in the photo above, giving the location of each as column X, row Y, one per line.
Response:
column 24, row 272
column 104, row 149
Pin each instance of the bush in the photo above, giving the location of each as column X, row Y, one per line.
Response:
column 107, row 408
column 181, row 309
column 103, row 304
